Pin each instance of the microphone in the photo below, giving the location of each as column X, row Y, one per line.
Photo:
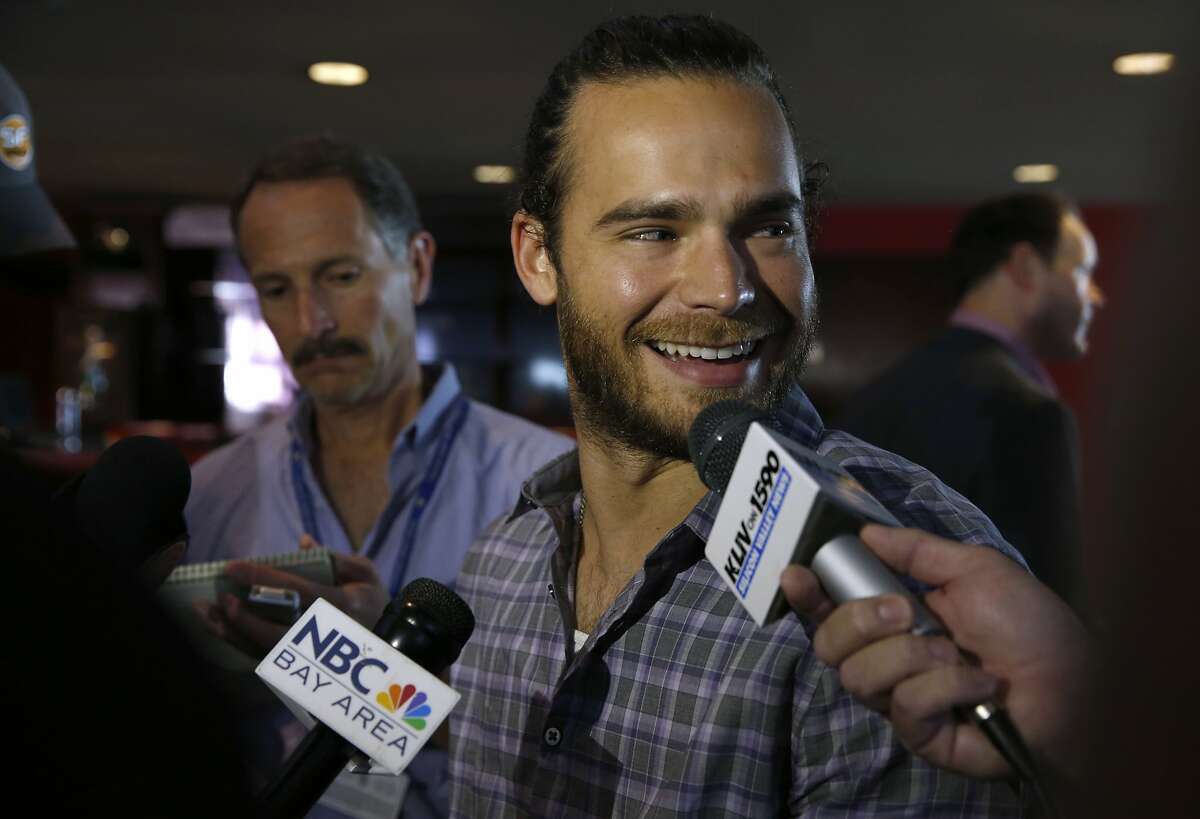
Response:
column 740, row 454
column 130, row 505
column 426, row 622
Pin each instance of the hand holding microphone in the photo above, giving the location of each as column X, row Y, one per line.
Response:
column 1032, row 652
column 784, row 504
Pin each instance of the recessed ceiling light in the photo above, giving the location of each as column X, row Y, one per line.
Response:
column 495, row 174
column 337, row 73
column 1035, row 173
column 1149, row 62
column 113, row 239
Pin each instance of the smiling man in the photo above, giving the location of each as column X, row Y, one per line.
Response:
column 611, row 672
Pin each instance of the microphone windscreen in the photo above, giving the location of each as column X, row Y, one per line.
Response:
column 131, row 501
column 716, row 438
column 450, row 610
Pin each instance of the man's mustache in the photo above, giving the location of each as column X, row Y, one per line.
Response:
column 707, row 330
column 326, row 347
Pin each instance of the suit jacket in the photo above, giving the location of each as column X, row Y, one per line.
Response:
column 963, row 408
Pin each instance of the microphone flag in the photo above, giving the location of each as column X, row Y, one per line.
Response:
column 330, row 668
column 782, row 503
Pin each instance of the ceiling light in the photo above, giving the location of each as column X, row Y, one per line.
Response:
column 337, row 73
column 1149, row 62
column 1035, row 173
column 113, row 239
column 495, row 174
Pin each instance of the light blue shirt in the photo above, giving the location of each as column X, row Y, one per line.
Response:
column 246, row 502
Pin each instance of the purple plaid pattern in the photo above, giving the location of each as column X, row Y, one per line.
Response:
column 678, row 705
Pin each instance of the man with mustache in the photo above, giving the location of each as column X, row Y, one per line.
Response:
column 383, row 461
column 611, row 672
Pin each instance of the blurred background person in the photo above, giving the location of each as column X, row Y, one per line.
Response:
column 975, row 405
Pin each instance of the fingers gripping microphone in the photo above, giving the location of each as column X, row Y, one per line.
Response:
column 427, row 623
column 783, row 503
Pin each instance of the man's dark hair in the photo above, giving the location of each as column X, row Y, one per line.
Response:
column 989, row 231
column 636, row 48
column 376, row 180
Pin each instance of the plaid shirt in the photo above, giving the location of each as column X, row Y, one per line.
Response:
column 678, row 704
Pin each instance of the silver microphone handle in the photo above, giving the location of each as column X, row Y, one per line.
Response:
column 848, row 570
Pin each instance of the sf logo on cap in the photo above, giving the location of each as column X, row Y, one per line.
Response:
column 16, row 147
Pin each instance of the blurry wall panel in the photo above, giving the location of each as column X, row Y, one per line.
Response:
column 873, row 310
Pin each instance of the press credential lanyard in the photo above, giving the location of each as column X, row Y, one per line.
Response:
column 425, row 489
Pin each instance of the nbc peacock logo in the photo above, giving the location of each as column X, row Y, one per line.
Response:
column 408, row 698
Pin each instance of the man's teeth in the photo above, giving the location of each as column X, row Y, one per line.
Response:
column 707, row 353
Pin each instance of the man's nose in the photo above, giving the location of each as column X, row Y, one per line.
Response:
column 717, row 276
column 1095, row 295
column 313, row 313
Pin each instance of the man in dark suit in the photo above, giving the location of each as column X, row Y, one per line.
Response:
column 975, row 405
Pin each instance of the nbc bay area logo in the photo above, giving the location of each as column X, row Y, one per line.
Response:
column 16, row 145
column 332, row 669
column 396, row 696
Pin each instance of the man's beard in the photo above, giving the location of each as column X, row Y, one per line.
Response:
column 1058, row 329
column 610, row 393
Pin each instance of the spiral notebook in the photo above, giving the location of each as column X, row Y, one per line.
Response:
column 207, row 581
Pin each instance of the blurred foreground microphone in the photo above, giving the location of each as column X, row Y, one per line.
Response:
column 428, row 624
column 783, row 503
column 130, row 505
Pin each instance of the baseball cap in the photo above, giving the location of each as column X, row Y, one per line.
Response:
column 28, row 222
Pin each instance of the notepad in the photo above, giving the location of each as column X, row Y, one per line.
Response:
column 207, row 581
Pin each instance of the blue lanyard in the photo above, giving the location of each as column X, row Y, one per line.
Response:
column 425, row 489
column 308, row 515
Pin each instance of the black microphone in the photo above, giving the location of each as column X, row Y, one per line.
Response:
column 130, row 503
column 824, row 536
column 428, row 624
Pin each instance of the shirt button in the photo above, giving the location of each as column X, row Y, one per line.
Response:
column 553, row 737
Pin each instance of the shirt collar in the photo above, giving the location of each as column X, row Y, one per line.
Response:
column 558, row 482
column 970, row 320
column 446, row 388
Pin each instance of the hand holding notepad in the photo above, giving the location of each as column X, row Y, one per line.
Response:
column 356, row 590
column 210, row 598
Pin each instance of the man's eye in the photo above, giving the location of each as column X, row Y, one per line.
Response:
column 273, row 291
column 652, row 235
column 777, row 230
column 343, row 276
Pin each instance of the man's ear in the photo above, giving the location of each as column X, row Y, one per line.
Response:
column 421, row 250
column 532, row 259
column 1025, row 268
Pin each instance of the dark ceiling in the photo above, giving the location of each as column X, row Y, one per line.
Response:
column 908, row 102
